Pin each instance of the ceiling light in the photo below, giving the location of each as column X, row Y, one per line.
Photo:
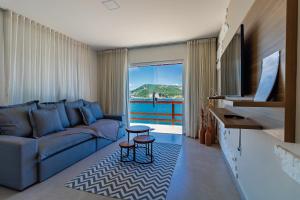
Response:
column 111, row 4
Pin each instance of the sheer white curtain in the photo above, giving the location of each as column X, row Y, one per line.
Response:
column 112, row 75
column 200, row 81
column 40, row 63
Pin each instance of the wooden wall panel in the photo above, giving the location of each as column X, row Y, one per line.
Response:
column 291, row 70
column 271, row 25
column 265, row 32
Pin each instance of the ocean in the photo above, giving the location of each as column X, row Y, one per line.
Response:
column 139, row 107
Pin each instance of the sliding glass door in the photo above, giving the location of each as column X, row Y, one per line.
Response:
column 156, row 96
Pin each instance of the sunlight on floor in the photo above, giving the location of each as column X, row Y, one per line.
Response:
column 159, row 128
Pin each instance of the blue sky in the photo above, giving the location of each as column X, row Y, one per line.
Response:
column 166, row 75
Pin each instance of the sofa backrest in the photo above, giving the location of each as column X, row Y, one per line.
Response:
column 14, row 119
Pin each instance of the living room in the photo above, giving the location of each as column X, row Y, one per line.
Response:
column 115, row 99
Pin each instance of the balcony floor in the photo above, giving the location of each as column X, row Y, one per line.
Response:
column 162, row 128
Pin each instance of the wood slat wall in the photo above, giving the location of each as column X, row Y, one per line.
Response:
column 265, row 33
column 271, row 25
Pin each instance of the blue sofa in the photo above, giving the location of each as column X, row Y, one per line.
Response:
column 26, row 160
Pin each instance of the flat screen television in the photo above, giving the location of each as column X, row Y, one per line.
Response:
column 232, row 66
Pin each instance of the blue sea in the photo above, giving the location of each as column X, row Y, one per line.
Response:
column 157, row 108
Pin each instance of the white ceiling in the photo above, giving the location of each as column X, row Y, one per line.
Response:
column 135, row 23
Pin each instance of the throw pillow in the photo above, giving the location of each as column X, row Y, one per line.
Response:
column 87, row 115
column 60, row 106
column 73, row 112
column 45, row 122
column 95, row 108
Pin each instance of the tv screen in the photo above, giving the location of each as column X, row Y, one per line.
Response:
column 232, row 66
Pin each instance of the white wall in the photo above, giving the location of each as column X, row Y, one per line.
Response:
column 237, row 11
column 157, row 53
column 260, row 174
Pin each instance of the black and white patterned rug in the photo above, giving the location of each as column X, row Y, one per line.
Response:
column 130, row 180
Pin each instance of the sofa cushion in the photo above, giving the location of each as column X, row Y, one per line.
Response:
column 102, row 142
column 56, row 163
column 87, row 115
column 14, row 120
column 60, row 106
column 57, row 142
column 95, row 108
column 105, row 128
column 45, row 122
column 73, row 112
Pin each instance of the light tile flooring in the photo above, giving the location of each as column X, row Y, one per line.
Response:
column 200, row 173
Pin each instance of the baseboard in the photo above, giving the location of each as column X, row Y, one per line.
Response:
column 236, row 183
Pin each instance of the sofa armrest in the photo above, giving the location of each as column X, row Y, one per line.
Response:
column 115, row 117
column 18, row 168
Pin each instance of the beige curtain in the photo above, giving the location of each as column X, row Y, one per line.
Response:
column 3, row 91
column 112, row 76
column 40, row 63
column 200, row 81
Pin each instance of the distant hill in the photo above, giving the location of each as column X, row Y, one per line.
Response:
column 164, row 91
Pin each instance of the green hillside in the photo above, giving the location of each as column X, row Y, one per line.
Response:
column 164, row 91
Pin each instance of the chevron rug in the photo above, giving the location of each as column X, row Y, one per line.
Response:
column 131, row 181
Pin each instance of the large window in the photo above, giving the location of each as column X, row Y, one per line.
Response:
column 156, row 95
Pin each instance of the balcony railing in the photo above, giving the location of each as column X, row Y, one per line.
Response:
column 173, row 117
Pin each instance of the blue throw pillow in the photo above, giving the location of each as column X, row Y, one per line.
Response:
column 45, row 122
column 95, row 108
column 14, row 119
column 60, row 106
column 87, row 115
column 73, row 112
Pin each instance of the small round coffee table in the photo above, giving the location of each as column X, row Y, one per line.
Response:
column 127, row 145
column 146, row 140
column 137, row 130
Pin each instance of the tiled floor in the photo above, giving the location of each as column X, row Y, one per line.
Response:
column 200, row 173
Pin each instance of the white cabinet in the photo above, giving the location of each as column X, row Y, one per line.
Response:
column 228, row 139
